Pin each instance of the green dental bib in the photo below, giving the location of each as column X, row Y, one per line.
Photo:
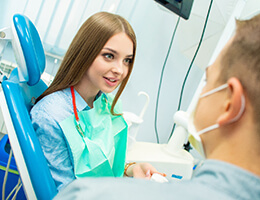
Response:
column 101, row 150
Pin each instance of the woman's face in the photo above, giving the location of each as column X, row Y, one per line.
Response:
column 111, row 65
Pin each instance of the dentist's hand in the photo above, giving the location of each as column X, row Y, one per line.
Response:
column 142, row 170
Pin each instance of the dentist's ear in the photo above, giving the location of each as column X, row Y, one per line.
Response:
column 234, row 105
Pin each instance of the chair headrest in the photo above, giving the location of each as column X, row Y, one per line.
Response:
column 28, row 50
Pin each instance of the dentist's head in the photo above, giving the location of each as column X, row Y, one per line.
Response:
column 225, row 124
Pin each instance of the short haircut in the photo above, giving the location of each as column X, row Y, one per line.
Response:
column 241, row 59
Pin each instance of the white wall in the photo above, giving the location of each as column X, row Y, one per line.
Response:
column 154, row 27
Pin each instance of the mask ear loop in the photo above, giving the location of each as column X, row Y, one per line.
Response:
column 242, row 108
column 241, row 111
column 214, row 90
column 214, row 126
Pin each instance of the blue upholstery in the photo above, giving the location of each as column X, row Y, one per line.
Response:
column 20, row 97
column 13, row 173
column 31, row 47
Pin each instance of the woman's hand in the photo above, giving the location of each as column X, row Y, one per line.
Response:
column 142, row 170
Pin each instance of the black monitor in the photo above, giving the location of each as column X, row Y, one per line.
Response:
column 179, row 7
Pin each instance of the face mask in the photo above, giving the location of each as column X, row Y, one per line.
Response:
column 194, row 135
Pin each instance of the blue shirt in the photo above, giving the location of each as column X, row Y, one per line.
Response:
column 215, row 180
column 46, row 116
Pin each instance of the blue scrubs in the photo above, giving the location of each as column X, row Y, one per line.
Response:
column 213, row 180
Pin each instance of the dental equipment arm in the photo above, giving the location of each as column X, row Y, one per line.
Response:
column 169, row 158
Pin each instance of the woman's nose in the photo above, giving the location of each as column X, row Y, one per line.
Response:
column 118, row 68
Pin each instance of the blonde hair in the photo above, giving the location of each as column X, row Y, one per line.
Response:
column 85, row 47
column 242, row 60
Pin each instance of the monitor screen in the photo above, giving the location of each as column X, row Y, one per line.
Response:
column 179, row 7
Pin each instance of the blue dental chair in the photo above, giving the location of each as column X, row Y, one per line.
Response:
column 19, row 92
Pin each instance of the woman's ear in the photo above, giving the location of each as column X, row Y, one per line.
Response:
column 234, row 104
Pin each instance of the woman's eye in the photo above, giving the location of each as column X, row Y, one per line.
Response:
column 128, row 61
column 108, row 55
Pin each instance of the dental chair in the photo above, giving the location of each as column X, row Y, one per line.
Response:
column 17, row 97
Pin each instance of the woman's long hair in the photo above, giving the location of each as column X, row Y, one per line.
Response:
column 85, row 47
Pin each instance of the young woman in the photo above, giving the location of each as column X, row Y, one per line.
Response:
column 77, row 121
